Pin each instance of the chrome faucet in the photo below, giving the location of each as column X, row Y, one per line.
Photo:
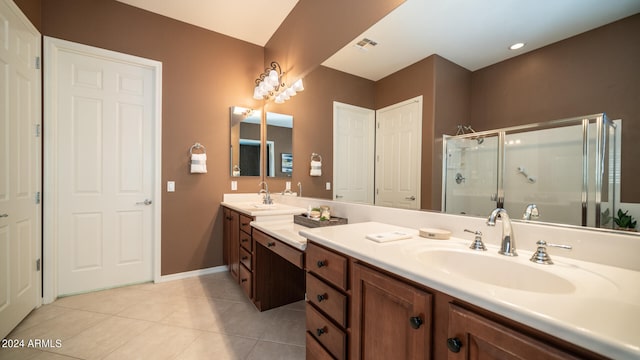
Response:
column 265, row 190
column 530, row 212
column 508, row 245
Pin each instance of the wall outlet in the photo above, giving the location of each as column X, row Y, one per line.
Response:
column 328, row 186
column 171, row 186
column 234, row 185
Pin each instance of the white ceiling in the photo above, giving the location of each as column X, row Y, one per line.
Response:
column 253, row 21
column 471, row 33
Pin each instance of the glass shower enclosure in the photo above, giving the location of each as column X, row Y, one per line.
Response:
column 569, row 169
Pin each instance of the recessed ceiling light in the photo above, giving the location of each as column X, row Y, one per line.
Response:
column 516, row 46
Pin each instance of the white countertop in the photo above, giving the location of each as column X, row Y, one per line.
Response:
column 602, row 312
column 285, row 231
column 259, row 210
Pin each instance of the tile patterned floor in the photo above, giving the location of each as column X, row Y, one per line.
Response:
column 207, row 317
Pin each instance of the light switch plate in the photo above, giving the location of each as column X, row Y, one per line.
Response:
column 171, row 186
column 328, row 186
column 234, row 185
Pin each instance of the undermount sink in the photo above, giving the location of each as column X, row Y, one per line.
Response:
column 497, row 270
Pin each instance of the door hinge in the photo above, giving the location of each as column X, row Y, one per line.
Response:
column 377, row 191
column 38, row 130
column 37, row 62
column 38, row 197
column 38, row 265
column 378, row 125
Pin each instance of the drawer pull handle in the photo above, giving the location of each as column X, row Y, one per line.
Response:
column 454, row 344
column 322, row 297
column 245, row 224
column 320, row 331
column 244, row 240
column 245, row 257
column 322, row 263
column 243, row 280
column 271, row 244
column 415, row 321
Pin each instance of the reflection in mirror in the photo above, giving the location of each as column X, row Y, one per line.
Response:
column 565, row 169
column 535, row 86
column 279, row 156
column 245, row 141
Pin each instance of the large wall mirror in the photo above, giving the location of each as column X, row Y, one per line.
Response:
column 572, row 93
column 246, row 142
column 279, row 154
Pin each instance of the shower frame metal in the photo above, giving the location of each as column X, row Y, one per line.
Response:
column 602, row 123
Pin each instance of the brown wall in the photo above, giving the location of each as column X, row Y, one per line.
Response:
column 204, row 73
column 445, row 90
column 597, row 71
column 312, row 112
column 315, row 30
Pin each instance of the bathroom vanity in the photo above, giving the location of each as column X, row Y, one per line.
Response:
column 421, row 298
column 266, row 261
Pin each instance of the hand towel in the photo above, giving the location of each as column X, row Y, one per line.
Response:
column 316, row 168
column 389, row 236
column 198, row 163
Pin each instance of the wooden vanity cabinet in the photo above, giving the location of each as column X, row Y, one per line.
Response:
column 238, row 247
column 358, row 311
column 231, row 241
column 472, row 336
column 327, row 303
column 278, row 272
column 390, row 319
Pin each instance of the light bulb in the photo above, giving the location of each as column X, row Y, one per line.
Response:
column 279, row 100
column 297, row 86
column 273, row 78
column 290, row 92
column 257, row 94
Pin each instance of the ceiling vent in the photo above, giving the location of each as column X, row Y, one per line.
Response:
column 365, row 44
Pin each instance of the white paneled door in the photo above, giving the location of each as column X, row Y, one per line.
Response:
column 353, row 153
column 103, row 119
column 20, row 219
column 398, row 159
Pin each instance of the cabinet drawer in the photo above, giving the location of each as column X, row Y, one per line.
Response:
column 246, row 280
column 327, row 265
column 327, row 299
column 245, row 222
column 245, row 241
column 287, row 252
column 245, row 258
column 327, row 334
column 315, row 351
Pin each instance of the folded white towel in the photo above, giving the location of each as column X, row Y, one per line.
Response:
column 198, row 163
column 389, row 236
column 316, row 168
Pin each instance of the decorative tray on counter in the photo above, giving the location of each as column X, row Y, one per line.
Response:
column 312, row 223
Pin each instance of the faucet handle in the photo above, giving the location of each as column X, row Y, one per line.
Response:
column 477, row 243
column 541, row 256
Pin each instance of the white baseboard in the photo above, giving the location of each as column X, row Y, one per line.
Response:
column 194, row 273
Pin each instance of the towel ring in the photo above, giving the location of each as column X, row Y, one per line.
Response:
column 316, row 157
column 197, row 146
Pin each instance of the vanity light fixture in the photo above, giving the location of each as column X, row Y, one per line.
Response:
column 269, row 85
column 516, row 46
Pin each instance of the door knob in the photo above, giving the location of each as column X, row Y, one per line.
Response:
column 4, row 215
column 145, row 202
column 339, row 196
column 410, row 198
